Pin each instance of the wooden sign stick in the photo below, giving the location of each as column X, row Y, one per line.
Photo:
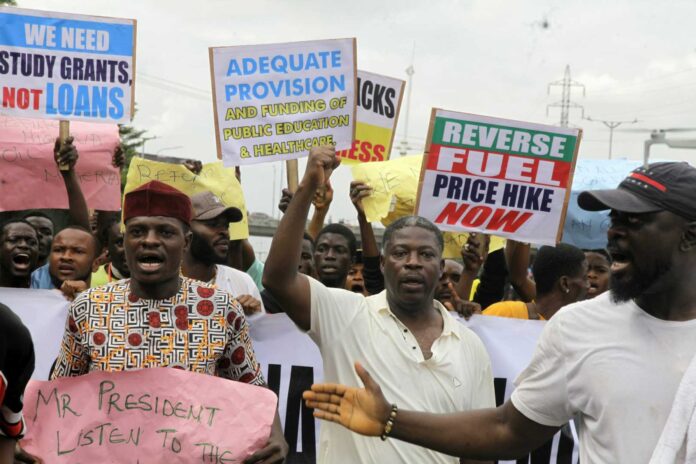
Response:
column 63, row 134
column 293, row 175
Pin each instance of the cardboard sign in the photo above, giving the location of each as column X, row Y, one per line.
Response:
column 148, row 415
column 275, row 102
column 379, row 101
column 213, row 177
column 588, row 229
column 394, row 187
column 29, row 175
column 509, row 343
column 497, row 176
column 66, row 66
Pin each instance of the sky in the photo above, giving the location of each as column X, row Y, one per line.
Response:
column 635, row 58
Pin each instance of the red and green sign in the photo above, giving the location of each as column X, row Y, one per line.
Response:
column 497, row 176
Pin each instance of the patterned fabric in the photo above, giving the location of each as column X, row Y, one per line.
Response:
column 200, row 329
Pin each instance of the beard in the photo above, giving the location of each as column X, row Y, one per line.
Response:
column 202, row 251
column 641, row 282
column 332, row 281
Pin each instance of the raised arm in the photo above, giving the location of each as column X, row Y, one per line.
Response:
column 66, row 154
column 372, row 274
column 322, row 201
column 474, row 254
column 517, row 258
column 502, row 433
column 281, row 277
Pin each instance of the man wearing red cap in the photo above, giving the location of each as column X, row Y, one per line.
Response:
column 158, row 317
column 614, row 363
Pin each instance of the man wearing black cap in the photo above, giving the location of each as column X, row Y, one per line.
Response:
column 158, row 318
column 210, row 241
column 614, row 362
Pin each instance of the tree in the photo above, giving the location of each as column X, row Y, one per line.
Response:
column 131, row 143
column 8, row 2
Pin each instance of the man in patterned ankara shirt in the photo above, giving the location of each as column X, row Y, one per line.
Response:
column 157, row 317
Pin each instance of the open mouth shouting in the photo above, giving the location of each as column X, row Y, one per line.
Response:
column 620, row 261
column 150, row 262
column 21, row 262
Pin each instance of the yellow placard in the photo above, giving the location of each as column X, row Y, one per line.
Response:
column 371, row 144
column 213, row 177
column 394, row 187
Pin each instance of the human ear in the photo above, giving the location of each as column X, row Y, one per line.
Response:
column 187, row 240
column 563, row 284
column 688, row 239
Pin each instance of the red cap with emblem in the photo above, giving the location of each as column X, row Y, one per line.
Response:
column 157, row 199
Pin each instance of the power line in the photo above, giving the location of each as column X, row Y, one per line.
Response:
column 611, row 125
column 565, row 104
column 652, row 79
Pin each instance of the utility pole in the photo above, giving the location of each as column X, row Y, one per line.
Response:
column 611, row 125
column 565, row 104
column 410, row 71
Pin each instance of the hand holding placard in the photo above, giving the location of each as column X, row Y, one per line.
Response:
column 321, row 163
column 150, row 415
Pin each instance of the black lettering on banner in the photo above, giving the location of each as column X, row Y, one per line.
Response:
column 565, row 446
column 499, row 384
column 389, row 97
column 274, row 378
column 301, row 379
column 541, row 455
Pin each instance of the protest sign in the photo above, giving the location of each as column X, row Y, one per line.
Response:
column 147, row 415
column 509, row 342
column 394, row 187
column 66, row 66
column 289, row 372
column 30, row 178
column 214, row 177
column 497, row 176
column 588, row 229
column 274, row 102
column 379, row 101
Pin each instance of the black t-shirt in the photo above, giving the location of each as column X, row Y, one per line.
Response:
column 16, row 367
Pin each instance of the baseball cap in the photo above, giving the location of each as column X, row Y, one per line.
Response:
column 668, row 186
column 207, row 205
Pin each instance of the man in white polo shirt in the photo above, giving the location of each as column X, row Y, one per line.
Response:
column 422, row 356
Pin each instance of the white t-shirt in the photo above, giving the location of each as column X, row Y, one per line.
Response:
column 237, row 283
column 615, row 369
column 349, row 327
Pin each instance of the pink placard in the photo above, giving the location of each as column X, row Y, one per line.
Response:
column 30, row 178
column 146, row 416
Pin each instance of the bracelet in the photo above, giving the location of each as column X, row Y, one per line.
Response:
column 390, row 422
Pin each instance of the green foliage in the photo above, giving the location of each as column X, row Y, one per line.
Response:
column 8, row 2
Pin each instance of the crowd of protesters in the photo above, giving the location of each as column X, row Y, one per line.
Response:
column 615, row 317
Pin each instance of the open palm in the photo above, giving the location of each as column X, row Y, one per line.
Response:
column 362, row 410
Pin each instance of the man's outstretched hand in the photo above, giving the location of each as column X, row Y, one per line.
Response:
column 362, row 410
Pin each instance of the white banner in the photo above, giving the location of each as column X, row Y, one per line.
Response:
column 44, row 313
column 292, row 363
